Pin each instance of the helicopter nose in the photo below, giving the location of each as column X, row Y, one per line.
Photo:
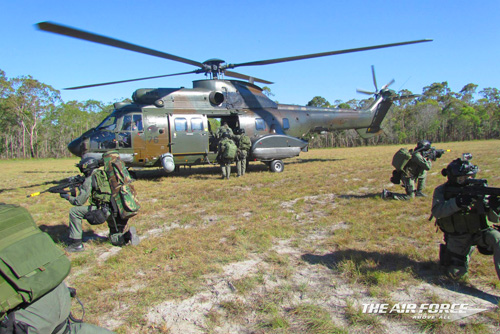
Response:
column 75, row 147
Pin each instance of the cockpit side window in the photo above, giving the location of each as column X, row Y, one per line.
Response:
column 137, row 123
column 109, row 124
column 132, row 123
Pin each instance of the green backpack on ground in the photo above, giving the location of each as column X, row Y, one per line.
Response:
column 124, row 200
column 230, row 150
column 31, row 264
column 401, row 158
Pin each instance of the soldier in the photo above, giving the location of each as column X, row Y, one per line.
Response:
column 96, row 189
column 244, row 145
column 226, row 154
column 464, row 221
column 224, row 129
column 414, row 173
column 38, row 301
column 50, row 314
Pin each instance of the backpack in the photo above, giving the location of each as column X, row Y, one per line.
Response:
column 101, row 188
column 245, row 143
column 229, row 150
column 31, row 265
column 401, row 158
column 124, row 200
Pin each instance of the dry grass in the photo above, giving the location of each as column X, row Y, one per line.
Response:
column 293, row 252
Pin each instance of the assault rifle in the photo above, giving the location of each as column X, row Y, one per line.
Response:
column 65, row 186
column 477, row 189
column 434, row 154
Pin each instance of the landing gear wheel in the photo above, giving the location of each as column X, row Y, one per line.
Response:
column 276, row 166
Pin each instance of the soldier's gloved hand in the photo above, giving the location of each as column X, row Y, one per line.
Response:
column 463, row 201
column 494, row 203
column 65, row 196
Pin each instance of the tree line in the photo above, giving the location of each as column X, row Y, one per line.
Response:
column 36, row 123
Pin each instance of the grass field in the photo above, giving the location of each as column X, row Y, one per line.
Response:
column 293, row 252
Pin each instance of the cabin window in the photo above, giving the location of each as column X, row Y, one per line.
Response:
column 181, row 124
column 196, row 124
column 286, row 124
column 260, row 125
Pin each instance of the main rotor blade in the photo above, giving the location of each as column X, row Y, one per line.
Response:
column 130, row 80
column 323, row 54
column 246, row 77
column 91, row 37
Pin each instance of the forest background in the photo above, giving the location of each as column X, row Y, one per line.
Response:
column 36, row 123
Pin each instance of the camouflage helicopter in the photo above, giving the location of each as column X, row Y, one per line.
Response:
column 169, row 127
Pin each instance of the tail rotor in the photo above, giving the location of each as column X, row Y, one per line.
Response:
column 377, row 91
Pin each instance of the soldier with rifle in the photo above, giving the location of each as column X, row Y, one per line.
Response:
column 96, row 189
column 465, row 209
column 411, row 170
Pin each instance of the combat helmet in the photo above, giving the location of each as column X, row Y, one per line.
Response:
column 423, row 145
column 87, row 165
column 459, row 167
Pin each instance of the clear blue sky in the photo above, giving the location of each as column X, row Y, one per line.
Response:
column 466, row 46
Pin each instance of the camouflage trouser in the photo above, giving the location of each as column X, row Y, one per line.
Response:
column 460, row 247
column 117, row 226
column 45, row 314
column 241, row 163
column 226, row 168
column 421, row 181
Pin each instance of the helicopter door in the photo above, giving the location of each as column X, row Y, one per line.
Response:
column 189, row 134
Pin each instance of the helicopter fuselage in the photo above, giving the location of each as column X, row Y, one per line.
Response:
column 181, row 122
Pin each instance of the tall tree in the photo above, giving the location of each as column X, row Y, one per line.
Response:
column 29, row 100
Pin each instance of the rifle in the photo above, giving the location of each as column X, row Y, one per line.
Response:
column 477, row 189
column 434, row 154
column 65, row 186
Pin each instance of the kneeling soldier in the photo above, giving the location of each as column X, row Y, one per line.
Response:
column 465, row 218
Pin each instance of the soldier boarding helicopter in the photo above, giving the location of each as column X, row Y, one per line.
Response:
column 168, row 127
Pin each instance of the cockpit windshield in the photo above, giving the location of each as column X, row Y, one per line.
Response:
column 109, row 124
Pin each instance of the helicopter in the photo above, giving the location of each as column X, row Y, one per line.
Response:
column 170, row 127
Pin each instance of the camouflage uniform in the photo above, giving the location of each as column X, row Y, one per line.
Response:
column 243, row 148
column 464, row 226
column 224, row 129
column 225, row 164
column 462, row 230
column 413, row 177
column 50, row 311
column 119, row 233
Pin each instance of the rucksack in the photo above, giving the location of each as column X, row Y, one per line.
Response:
column 124, row 200
column 401, row 158
column 230, row 149
column 245, row 143
column 31, row 264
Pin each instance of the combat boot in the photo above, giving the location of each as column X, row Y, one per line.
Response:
column 386, row 194
column 419, row 193
column 75, row 246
